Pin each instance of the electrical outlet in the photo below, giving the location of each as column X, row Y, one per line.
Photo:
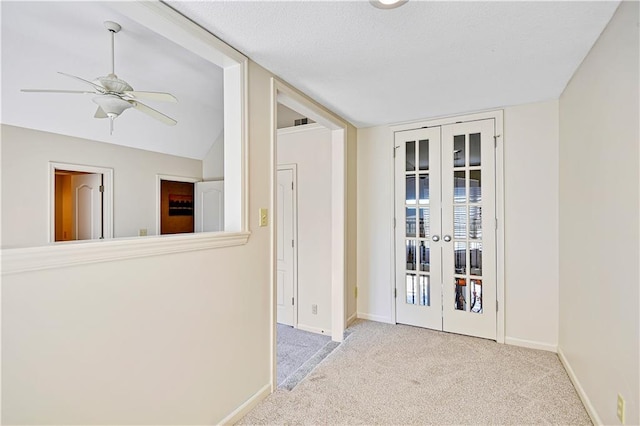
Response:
column 621, row 408
column 314, row 309
column 264, row 217
column 142, row 232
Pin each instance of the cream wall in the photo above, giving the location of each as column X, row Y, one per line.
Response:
column 599, row 221
column 531, row 225
column 172, row 339
column 531, row 203
column 25, row 182
column 310, row 150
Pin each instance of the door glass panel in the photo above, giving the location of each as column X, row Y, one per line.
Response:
column 425, row 290
column 474, row 149
column 476, row 296
column 459, row 188
column 475, row 258
column 411, row 255
column 460, row 255
column 424, row 223
column 411, row 190
column 410, row 156
column 423, row 187
column 423, row 154
column 459, row 153
column 460, row 302
column 410, row 224
column 411, row 289
column 460, row 222
column 475, row 186
column 475, row 222
column 425, row 256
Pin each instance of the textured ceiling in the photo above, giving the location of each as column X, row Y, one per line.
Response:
column 41, row 38
column 422, row 60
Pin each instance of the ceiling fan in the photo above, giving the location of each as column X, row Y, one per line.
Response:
column 115, row 95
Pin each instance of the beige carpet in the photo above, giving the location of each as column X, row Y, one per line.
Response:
column 393, row 374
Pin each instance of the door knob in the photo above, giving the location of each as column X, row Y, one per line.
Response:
column 447, row 238
column 435, row 238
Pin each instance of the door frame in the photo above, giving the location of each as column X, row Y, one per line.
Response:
column 107, row 201
column 294, row 168
column 498, row 116
column 159, row 179
column 291, row 98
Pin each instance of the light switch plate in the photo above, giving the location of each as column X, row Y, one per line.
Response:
column 264, row 217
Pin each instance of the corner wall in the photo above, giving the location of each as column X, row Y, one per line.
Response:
column 599, row 221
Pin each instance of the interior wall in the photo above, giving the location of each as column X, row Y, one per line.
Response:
column 531, row 224
column 173, row 339
column 213, row 162
column 309, row 147
column 25, row 158
column 599, row 222
column 530, row 132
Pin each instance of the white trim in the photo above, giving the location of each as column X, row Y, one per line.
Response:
column 591, row 410
column 159, row 179
column 376, row 318
column 246, row 406
column 107, row 207
column 352, row 318
column 294, row 169
column 315, row 330
column 301, row 129
column 531, row 344
column 498, row 116
column 74, row 253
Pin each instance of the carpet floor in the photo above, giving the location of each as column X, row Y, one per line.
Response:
column 298, row 353
column 393, row 374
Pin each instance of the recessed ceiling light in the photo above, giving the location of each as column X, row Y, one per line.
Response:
column 387, row 4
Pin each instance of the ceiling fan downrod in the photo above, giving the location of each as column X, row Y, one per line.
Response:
column 113, row 28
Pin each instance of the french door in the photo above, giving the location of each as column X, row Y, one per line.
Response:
column 446, row 228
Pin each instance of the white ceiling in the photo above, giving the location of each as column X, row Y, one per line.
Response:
column 41, row 38
column 422, row 60
column 371, row 66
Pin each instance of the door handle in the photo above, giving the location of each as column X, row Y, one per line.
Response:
column 436, row 238
column 447, row 238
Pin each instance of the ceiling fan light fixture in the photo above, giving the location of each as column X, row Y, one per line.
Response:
column 387, row 4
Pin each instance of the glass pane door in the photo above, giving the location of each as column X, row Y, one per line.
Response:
column 418, row 191
column 468, row 225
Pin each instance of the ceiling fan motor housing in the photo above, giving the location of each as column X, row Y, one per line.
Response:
column 113, row 84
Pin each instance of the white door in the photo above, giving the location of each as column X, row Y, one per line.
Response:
column 286, row 246
column 209, row 205
column 87, row 206
column 445, row 237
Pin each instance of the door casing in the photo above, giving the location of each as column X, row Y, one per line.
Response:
column 498, row 116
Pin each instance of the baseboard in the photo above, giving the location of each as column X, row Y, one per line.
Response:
column 377, row 318
column 248, row 405
column 316, row 330
column 351, row 319
column 579, row 389
column 531, row 344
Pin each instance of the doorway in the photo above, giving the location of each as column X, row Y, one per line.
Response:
column 286, row 224
column 446, row 276
column 80, row 202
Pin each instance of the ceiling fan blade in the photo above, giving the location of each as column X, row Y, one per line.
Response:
column 54, row 91
column 151, row 96
column 92, row 84
column 100, row 113
column 153, row 113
